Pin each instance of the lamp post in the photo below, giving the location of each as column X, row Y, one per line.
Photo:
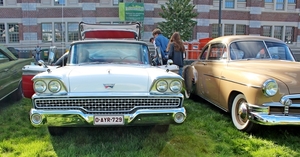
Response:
column 220, row 16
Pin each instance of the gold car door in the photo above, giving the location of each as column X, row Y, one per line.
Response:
column 211, row 72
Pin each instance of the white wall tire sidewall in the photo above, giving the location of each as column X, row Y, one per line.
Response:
column 234, row 115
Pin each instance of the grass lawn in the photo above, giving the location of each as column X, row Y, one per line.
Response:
column 207, row 132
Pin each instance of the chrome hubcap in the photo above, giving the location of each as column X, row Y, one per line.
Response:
column 242, row 112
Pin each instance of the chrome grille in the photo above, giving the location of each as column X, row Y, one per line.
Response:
column 107, row 104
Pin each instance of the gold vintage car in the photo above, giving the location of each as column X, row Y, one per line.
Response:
column 254, row 78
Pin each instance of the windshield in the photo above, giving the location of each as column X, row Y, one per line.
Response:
column 259, row 50
column 109, row 52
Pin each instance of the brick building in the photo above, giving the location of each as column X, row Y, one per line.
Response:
column 27, row 23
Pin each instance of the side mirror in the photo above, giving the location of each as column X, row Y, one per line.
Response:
column 169, row 62
column 42, row 63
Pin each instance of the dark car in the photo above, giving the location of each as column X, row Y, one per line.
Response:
column 11, row 74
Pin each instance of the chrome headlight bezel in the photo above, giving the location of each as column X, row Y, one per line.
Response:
column 175, row 86
column 270, row 87
column 162, row 86
column 54, row 86
column 40, row 86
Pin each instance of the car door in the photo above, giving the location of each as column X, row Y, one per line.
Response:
column 4, row 74
column 210, row 70
column 199, row 65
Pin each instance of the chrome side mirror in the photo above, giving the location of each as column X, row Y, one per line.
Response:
column 42, row 63
column 169, row 62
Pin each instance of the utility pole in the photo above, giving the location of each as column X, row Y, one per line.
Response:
column 220, row 16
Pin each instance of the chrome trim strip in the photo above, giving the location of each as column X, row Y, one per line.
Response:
column 78, row 118
column 260, row 115
column 223, row 78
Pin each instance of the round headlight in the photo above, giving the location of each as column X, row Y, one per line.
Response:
column 162, row 86
column 40, row 86
column 54, row 86
column 270, row 87
column 175, row 86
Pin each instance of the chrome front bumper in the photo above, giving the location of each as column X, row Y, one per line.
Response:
column 78, row 118
column 261, row 115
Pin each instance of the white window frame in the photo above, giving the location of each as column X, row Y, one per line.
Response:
column 57, row 2
column 48, row 31
column 2, row 33
column 13, row 34
column 61, row 31
column 72, row 31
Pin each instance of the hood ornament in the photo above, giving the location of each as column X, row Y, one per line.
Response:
column 108, row 86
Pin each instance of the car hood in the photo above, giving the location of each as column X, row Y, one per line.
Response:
column 112, row 78
column 286, row 71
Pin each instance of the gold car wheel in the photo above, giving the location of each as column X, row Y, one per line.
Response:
column 188, row 81
column 239, row 112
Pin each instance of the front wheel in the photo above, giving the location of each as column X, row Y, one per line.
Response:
column 188, row 81
column 239, row 114
column 18, row 94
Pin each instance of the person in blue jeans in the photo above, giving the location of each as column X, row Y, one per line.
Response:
column 176, row 51
column 162, row 42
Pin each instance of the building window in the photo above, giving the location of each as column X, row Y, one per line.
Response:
column 240, row 30
column 268, row 1
column 73, row 32
column 59, row 2
column 241, row 0
column 278, row 32
column 215, row 31
column 280, row 5
column 228, row 29
column 291, row 1
column 289, row 31
column 116, row 2
column 2, row 33
column 13, row 33
column 59, row 30
column 267, row 31
column 229, row 3
column 1, row 2
column 46, row 32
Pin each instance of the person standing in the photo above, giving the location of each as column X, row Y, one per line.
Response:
column 176, row 51
column 37, row 55
column 162, row 42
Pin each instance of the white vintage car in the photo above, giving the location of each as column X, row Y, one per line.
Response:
column 107, row 82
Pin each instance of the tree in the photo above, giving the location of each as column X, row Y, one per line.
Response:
column 178, row 15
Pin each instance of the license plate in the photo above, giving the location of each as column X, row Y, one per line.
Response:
column 108, row 120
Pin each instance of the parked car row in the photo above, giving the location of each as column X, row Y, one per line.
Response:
column 108, row 78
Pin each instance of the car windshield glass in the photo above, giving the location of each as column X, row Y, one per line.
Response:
column 109, row 52
column 259, row 50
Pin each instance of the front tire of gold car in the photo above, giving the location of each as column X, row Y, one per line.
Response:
column 188, row 81
column 239, row 114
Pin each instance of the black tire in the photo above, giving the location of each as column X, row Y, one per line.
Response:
column 161, row 128
column 56, row 131
column 188, row 82
column 18, row 94
column 239, row 115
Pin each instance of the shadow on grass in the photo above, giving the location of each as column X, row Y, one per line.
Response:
column 109, row 141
